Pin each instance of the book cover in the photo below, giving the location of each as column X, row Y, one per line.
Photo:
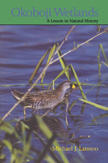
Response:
column 53, row 81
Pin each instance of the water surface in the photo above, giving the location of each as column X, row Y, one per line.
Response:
column 21, row 48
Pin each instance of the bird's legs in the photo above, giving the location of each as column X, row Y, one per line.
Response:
column 24, row 110
column 52, row 108
column 66, row 101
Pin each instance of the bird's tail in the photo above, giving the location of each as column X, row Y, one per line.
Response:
column 17, row 95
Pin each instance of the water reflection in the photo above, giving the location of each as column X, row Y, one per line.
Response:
column 57, row 127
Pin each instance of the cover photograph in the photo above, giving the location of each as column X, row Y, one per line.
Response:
column 53, row 82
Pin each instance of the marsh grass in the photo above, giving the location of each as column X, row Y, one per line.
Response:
column 19, row 143
column 101, row 49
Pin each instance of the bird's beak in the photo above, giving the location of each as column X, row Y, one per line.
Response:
column 73, row 86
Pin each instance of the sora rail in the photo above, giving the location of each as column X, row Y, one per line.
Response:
column 44, row 99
